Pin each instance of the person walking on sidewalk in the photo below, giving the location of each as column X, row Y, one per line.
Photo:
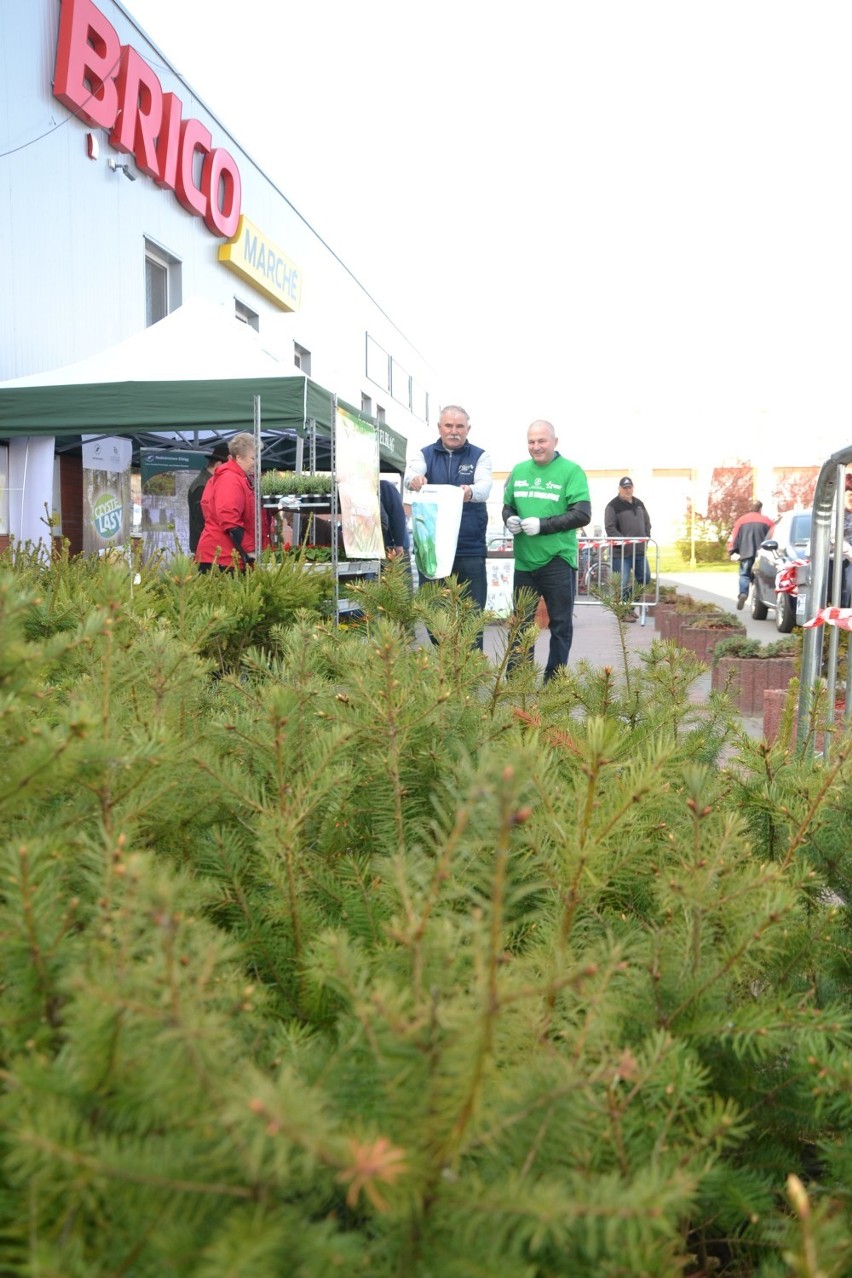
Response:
column 546, row 501
column 627, row 516
column 748, row 532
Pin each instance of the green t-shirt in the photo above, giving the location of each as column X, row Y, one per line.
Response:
column 544, row 491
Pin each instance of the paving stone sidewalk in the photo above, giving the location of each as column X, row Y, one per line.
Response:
column 597, row 641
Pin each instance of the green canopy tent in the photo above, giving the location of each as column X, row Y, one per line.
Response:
column 186, row 380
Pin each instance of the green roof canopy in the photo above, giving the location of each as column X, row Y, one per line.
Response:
column 120, row 392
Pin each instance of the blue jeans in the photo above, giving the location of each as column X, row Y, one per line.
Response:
column 746, row 566
column 555, row 584
column 627, row 560
column 470, row 570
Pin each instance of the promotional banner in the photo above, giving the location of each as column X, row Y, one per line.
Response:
column 166, row 478
column 436, row 512
column 107, row 502
column 30, row 488
column 357, row 470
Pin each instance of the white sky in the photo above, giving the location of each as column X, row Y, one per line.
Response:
column 632, row 217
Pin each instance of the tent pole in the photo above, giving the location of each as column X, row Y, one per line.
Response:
column 335, row 551
column 258, row 531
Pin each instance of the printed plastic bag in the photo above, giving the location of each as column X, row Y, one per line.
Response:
column 435, row 518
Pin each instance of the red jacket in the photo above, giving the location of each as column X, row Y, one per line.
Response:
column 747, row 534
column 227, row 502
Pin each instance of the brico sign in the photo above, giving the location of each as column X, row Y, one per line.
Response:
column 107, row 84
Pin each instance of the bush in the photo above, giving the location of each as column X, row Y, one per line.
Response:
column 740, row 646
column 368, row 958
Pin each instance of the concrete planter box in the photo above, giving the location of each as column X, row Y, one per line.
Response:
column 662, row 610
column 745, row 679
column 703, row 639
column 671, row 623
column 773, row 708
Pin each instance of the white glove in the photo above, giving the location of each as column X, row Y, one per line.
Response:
column 847, row 550
column 531, row 526
column 735, row 556
column 513, row 524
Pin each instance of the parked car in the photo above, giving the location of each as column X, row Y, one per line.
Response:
column 775, row 577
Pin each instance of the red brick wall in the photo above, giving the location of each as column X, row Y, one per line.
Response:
column 71, row 498
column 702, row 639
column 773, row 707
column 745, row 679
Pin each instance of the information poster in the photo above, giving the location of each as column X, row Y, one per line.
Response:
column 166, row 476
column 107, row 502
column 357, row 470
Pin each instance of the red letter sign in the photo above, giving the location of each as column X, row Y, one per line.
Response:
column 87, row 54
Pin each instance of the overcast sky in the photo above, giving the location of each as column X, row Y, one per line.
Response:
column 632, row 217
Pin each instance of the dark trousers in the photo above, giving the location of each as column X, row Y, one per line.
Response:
column 470, row 571
column 555, row 584
column 627, row 561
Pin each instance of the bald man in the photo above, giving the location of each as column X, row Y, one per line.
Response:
column 546, row 501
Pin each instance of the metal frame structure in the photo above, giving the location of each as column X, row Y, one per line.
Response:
column 599, row 566
column 826, row 526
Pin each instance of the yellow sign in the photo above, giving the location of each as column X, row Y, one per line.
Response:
column 251, row 254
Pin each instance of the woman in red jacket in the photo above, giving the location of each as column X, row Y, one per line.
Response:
column 229, row 537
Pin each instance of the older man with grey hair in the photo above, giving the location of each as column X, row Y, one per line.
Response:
column 452, row 459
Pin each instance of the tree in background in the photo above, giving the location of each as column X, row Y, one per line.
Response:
column 794, row 486
column 730, row 494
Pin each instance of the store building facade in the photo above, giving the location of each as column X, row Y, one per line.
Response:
column 122, row 197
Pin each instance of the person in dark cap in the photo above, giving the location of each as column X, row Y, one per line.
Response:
column 627, row 516
column 215, row 458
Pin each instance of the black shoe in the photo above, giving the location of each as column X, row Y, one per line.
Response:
column 741, row 598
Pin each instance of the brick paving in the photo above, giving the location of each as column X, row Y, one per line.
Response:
column 596, row 637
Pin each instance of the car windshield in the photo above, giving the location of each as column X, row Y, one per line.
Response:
column 800, row 528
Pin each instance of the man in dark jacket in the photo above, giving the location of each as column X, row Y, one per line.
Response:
column 452, row 459
column 627, row 516
column 215, row 458
column 748, row 532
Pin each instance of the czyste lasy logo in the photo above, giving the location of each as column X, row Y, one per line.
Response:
column 106, row 513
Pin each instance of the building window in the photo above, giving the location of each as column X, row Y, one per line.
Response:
column 400, row 384
column 246, row 315
column 302, row 359
column 366, row 404
column 419, row 401
column 163, row 289
column 378, row 364
column 380, row 414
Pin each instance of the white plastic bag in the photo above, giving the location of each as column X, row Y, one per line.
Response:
column 436, row 512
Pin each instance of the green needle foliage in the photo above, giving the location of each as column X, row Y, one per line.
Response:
column 327, row 951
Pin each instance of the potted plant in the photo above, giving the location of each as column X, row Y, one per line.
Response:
column 745, row 669
column 701, row 633
column 316, row 488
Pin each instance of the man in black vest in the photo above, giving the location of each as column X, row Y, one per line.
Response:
column 452, row 459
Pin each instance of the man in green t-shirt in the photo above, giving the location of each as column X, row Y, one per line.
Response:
column 546, row 501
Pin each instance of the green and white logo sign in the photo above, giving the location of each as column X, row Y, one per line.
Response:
column 106, row 515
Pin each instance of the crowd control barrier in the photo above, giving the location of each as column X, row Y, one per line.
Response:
column 635, row 560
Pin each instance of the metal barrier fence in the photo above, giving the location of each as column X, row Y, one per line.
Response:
column 635, row 560
column 812, row 612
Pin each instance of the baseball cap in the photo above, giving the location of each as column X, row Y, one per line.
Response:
column 219, row 452
column 625, row 482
